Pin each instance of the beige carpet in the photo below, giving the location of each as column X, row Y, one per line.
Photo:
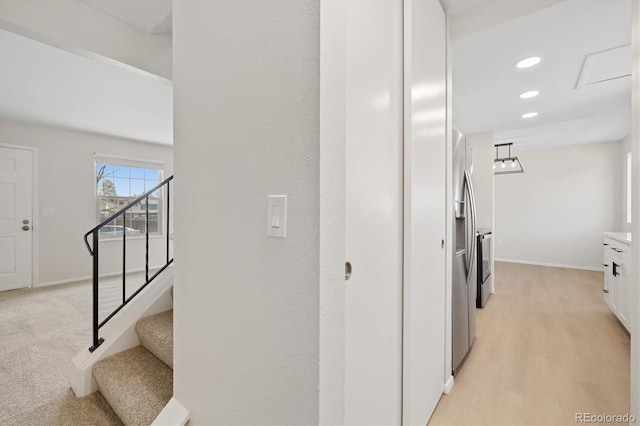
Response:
column 136, row 384
column 41, row 330
column 69, row 410
column 547, row 347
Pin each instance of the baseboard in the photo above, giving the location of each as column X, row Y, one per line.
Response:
column 448, row 385
column 553, row 265
column 173, row 413
column 90, row 278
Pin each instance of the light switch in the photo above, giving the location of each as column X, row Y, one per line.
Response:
column 48, row 211
column 277, row 216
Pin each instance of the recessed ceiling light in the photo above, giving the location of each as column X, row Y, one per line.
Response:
column 529, row 115
column 528, row 62
column 529, row 94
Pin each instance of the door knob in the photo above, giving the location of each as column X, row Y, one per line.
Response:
column 347, row 271
column 26, row 228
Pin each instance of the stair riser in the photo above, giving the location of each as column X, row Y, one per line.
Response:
column 156, row 335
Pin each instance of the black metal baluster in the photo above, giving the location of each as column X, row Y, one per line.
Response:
column 168, row 204
column 124, row 261
column 146, row 258
column 96, row 341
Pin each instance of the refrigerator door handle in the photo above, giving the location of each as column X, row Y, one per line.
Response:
column 471, row 255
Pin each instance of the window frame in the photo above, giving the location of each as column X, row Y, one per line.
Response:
column 127, row 161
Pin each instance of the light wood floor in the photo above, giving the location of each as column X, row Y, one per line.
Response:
column 547, row 347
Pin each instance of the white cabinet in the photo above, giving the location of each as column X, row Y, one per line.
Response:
column 617, row 281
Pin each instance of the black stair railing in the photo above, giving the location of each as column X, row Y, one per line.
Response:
column 94, row 251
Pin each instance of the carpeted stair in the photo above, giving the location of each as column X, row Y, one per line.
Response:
column 138, row 382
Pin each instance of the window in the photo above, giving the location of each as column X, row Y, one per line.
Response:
column 120, row 182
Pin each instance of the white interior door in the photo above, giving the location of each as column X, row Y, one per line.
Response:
column 374, row 147
column 425, row 209
column 15, row 218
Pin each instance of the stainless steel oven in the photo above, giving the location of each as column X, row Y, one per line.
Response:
column 485, row 262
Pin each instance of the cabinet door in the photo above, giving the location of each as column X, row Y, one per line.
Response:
column 614, row 292
column 623, row 292
column 607, row 272
column 606, row 287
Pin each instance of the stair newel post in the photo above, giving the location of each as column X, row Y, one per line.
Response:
column 96, row 340
column 168, row 206
column 124, row 259
column 146, row 229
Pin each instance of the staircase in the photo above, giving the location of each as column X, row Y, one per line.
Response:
column 138, row 383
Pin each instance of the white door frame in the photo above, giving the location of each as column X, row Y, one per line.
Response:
column 635, row 186
column 34, row 206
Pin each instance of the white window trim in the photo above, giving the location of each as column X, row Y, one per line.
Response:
column 125, row 160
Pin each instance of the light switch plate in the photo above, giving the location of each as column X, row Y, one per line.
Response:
column 48, row 211
column 277, row 216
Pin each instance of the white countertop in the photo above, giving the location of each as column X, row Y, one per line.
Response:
column 624, row 237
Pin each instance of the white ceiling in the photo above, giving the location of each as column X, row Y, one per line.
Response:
column 455, row 7
column 47, row 85
column 577, row 40
column 568, row 36
column 151, row 16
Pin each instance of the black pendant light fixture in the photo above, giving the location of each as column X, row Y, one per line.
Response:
column 506, row 165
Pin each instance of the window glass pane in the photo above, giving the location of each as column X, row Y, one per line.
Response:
column 116, row 187
column 136, row 173
column 107, row 188
column 137, row 187
column 152, row 174
column 120, row 171
column 105, row 170
column 121, row 187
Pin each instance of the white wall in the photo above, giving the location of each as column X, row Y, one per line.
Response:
column 247, row 306
column 555, row 212
column 66, row 183
column 73, row 23
column 482, row 177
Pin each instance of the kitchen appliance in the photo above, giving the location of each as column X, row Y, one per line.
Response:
column 464, row 278
column 485, row 262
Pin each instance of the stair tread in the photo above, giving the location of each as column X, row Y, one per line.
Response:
column 136, row 384
column 155, row 333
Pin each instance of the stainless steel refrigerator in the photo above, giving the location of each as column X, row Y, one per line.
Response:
column 464, row 279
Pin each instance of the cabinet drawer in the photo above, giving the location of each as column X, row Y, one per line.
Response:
column 606, row 247
column 620, row 252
